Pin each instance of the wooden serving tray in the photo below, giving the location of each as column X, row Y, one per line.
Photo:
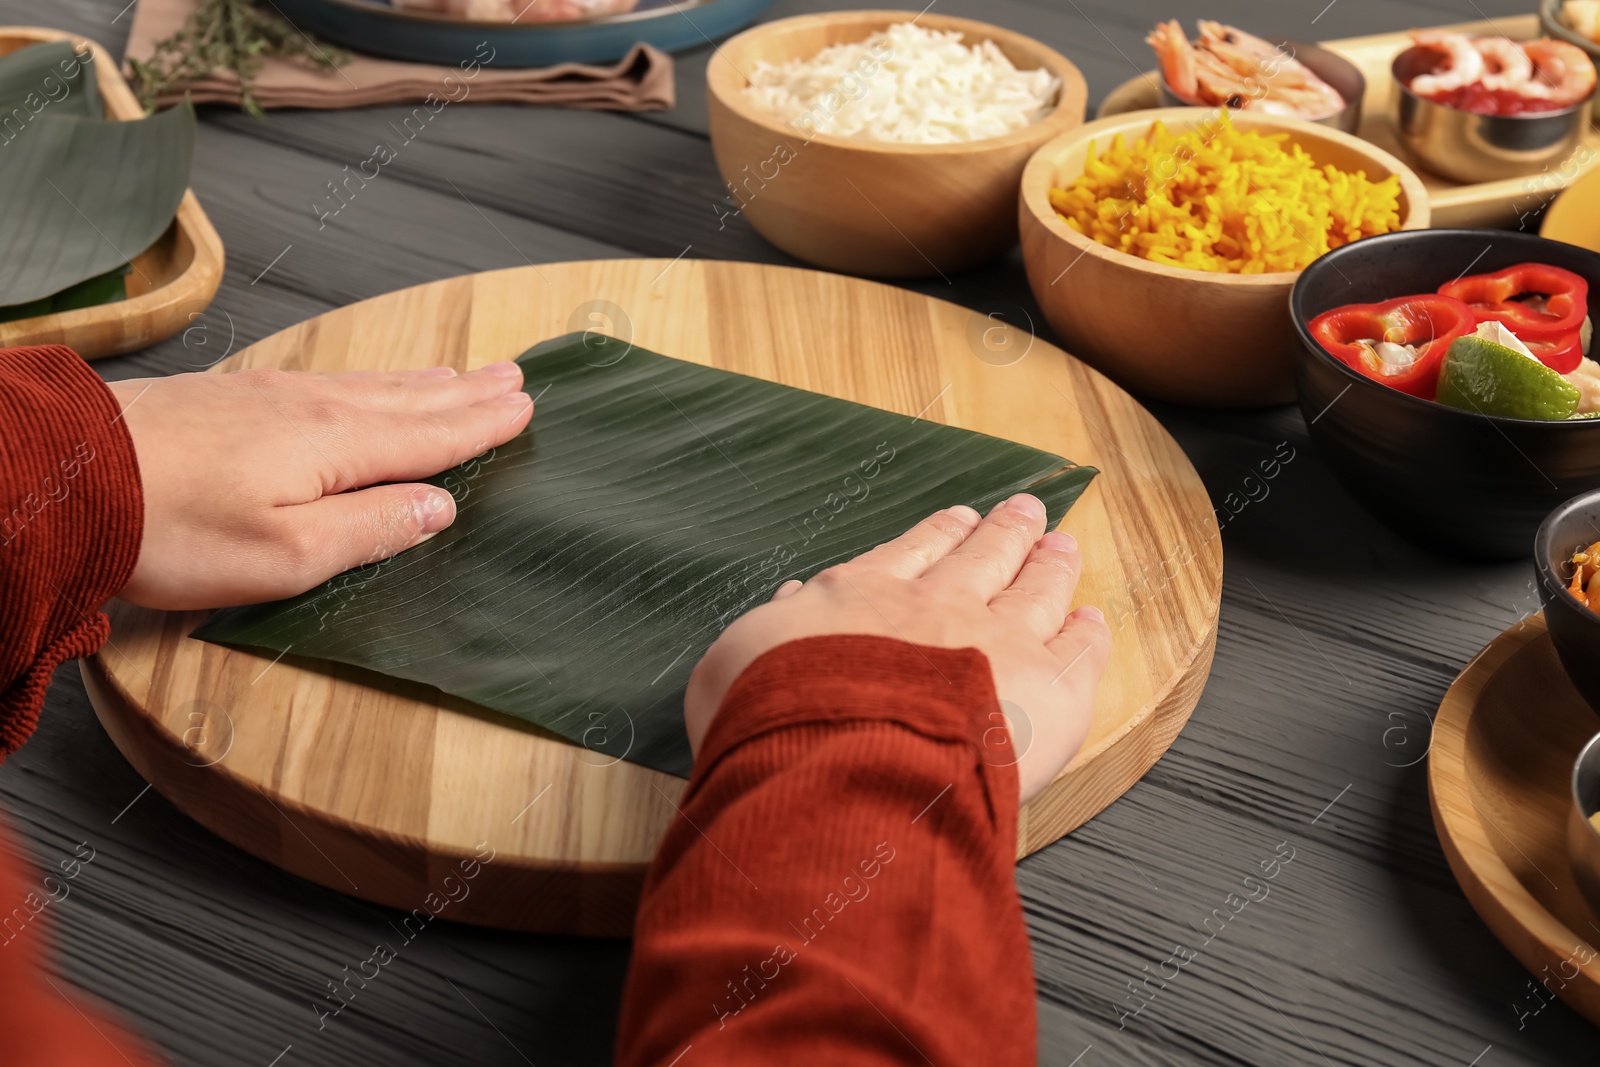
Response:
column 1508, row 203
column 380, row 789
column 1499, row 781
column 174, row 279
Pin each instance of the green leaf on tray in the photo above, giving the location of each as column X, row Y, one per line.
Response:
column 46, row 78
column 104, row 288
column 83, row 196
column 38, row 85
column 652, row 501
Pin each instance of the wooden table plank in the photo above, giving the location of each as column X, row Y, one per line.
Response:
column 1337, row 642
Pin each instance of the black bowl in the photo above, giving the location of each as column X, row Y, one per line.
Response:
column 1453, row 481
column 1574, row 629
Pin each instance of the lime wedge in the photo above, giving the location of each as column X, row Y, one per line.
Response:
column 1491, row 379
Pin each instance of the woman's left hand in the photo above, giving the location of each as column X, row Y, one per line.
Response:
column 256, row 482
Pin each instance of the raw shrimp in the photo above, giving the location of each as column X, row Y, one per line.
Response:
column 1197, row 76
column 1247, row 54
column 1220, row 86
column 1176, row 56
column 1253, row 57
column 1309, row 102
column 1231, row 68
column 1463, row 63
column 1284, row 78
column 1562, row 72
column 1505, row 64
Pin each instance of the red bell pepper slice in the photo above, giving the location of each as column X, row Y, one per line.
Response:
column 1493, row 297
column 1428, row 322
column 1561, row 355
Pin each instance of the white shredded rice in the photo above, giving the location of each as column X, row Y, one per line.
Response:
column 906, row 85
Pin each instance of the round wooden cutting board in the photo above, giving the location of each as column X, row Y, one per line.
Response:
column 384, row 790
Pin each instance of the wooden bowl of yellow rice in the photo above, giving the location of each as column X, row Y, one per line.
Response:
column 1209, row 334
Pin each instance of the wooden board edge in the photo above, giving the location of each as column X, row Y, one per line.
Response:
column 1494, row 892
column 595, row 900
column 128, row 325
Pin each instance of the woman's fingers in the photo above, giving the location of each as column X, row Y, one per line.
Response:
column 1081, row 648
column 434, row 389
column 1042, row 592
column 344, row 530
column 401, row 446
column 988, row 560
column 920, row 547
column 789, row 588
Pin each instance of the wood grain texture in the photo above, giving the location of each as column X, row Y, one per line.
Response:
column 865, row 207
column 1500, row 785
column 1188, row 336
column 172, row 281
column 1337, row 642
column 1509, row 202
column 403, row 784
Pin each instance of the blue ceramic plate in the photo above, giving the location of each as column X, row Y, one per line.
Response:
column 376, row 28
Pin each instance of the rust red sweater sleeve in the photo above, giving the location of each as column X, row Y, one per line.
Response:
column 838, row 887
column 45, row 1021
column 71, row 519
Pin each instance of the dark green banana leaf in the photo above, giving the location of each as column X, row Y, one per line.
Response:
column 595, row 557
column 101, row 289
column 83, row 196
column 46, row 77
column 52, row 77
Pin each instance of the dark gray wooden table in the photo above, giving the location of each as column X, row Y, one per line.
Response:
column 1337, row 642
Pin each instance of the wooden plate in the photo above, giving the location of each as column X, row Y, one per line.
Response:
column 1499, row 780
column 1575, row 215
column 1506, row 203
column 173, row 280
column 381, row 789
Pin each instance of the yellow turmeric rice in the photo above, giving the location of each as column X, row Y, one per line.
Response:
column 1222, row 199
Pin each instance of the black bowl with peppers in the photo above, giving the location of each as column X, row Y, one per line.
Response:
column 1455, row 481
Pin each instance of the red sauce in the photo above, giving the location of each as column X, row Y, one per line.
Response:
column 1481, row 101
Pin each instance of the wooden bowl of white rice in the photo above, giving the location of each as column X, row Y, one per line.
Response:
column 876, row 143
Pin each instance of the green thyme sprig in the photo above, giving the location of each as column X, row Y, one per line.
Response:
column 234, row 35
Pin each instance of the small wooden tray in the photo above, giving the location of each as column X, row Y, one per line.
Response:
column 173, row 280
column 1508, row 203
column 1499, row 780
column 381, row 789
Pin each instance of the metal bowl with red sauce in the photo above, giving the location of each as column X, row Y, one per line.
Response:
column 1451, row 137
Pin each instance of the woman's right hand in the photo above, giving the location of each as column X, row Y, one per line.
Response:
column 1000, row 585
